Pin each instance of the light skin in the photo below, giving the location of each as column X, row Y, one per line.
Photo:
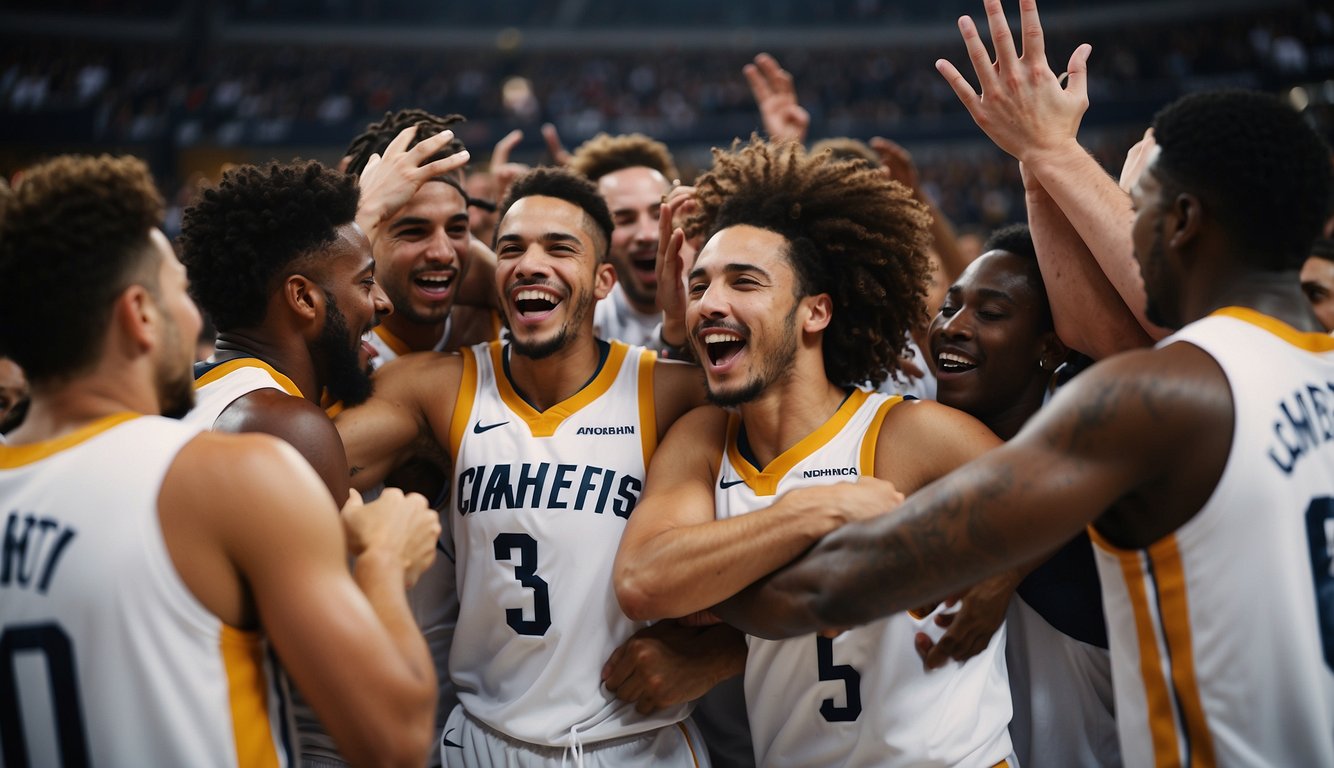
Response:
column 1318, row 284
column 1134, row 446
column 257, row 541
column 297, row 313
column 634, row 197
column 548, row 252
column 676, row 558
column 1026, row 111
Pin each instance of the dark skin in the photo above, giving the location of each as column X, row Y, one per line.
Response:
column 1134, row 446
column 296, row 314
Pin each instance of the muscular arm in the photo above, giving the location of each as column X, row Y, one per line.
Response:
column 1090, row 315
column 1119, row 429
column 413, row 401
column 253, row 535
column 299, row 422
column 675, row 558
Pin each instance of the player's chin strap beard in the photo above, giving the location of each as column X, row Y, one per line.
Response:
column 574, row 746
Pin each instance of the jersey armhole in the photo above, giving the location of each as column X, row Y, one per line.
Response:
column 872, row 437
column 458, row 423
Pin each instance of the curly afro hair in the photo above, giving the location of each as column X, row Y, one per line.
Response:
column 575, row 190
column 74, row 235
column 377, row 136
column 255, row 225
column 604, row 154
column 852, row 232
column 1252, row 160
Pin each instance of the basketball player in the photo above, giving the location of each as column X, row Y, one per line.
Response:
column 995, row 349
column 1205, row 465
column 549, row 435
column 148, row 567
column 1317, row 278
column 806, row 287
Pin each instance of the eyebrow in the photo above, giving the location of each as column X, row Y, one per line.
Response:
column 409, row 220
column 732, row 268
column 985, row 293
column 560, row 237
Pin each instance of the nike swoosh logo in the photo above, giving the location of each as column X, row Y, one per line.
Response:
column 478, row 429
column 445, row 740
column 725, row 484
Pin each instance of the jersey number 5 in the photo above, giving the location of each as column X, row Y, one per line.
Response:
column 852, row 684
column 525, row 571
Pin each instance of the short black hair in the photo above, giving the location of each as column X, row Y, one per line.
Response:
column 377, row 136
column 1256, row 162
column 255, row 224
column 74, row 235
column 1018, row 240
column 1323, row 249
column 573, row 189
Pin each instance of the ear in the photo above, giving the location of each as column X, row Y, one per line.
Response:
column 304, row 298
column 1052, row 352
column 604, row 278
column 1187, row 221
column 818, row 312
column 137, row 316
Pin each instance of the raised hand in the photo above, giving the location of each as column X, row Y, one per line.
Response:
column 389, row 181
column 1137, row 159
column 559, row 154
column 898, row 162
column 671, row 267
column 504, row 171
column 1023, row 106
column 783, row 117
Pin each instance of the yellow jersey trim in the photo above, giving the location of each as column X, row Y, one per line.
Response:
column 247, row 693
column 648, row 408
column 1308, row 340
column 872, row 437
column 765, row 483
column 12, row 456
column 399, row 346
column 458, row 423
column 222, row 369
column 545, row 423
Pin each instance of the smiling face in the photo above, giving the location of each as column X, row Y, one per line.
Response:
column 634, row 196
column 741, row 311
column 549, row 274
column 990, row 337
column 175, row 368
column 1161, row 280
column 355, row 304
column 422, row 256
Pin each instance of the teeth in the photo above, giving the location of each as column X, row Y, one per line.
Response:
column 720, row 338
column 950, row 357
column 531, row 295
column 437, row 280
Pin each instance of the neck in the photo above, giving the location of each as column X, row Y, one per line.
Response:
column 787, row 411
column 558, row 376
column 58, row 409
column 291, row 358
column 419, row 337
column 1276, row 294
column 1007, row 423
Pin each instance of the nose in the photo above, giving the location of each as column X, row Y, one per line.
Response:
column 440, row 249
column 380, row 300
column 646, row 229
column 712, row 302
column 532, row 262
column 959, row 325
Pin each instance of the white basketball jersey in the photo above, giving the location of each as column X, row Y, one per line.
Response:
column 1222, row 633
column 106, row 657
column 540, row 500
column 862, row 698
column 218, row 386
column 615, row 319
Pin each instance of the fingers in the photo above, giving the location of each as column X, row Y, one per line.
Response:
column 1031, row 29
column 1001, row 39
column 614, row 671
column 353, row 499
column 559, row 154
column 759, row 86
column 1078, row 84
column 779, row 79
column 961, row 87
column 401, row 141
column 446, row 165
column 501, row 154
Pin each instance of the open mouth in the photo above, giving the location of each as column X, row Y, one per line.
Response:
column 952, row 362
column 645, row 263
column 434, row 283
column 532, row 302
column 722, row 346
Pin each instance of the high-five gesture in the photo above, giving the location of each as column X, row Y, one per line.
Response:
column 776, row 97
column 1022, row 107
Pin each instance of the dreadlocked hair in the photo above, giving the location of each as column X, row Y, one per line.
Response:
column 254, row 226
column 377, row 136
column 852, row 233
column 604, row 154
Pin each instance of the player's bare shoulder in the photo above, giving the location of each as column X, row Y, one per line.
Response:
column 921, row 440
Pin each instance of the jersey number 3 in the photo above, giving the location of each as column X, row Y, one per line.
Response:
column 525, row 571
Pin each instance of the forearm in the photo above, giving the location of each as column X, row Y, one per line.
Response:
column 380, row 577
column 1089, row 315
column 1100, row 213
column 690, row 568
